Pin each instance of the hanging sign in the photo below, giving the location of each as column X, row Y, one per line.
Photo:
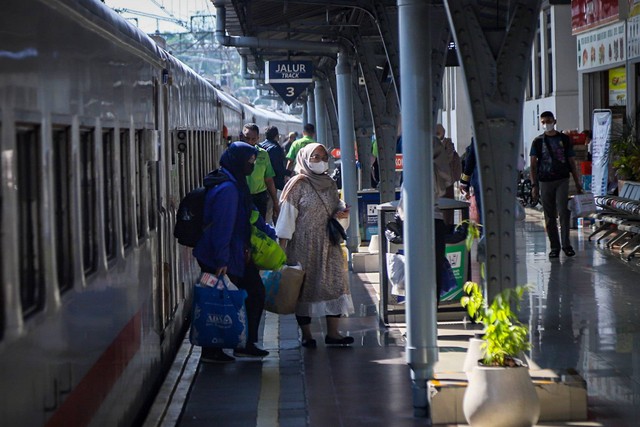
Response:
column 289, row 78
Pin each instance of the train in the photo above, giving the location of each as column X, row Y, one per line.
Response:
column 102, row 133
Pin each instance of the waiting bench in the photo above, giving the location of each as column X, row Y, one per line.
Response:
column 621, row 215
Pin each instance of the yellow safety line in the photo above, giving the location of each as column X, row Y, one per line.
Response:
column 268, row 403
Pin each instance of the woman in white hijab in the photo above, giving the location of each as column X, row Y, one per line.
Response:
column 308, row 201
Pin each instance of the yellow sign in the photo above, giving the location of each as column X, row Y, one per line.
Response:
column 617, row 86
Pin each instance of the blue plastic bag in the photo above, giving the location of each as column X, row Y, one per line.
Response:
column 219, row 316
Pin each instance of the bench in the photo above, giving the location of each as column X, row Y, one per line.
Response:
column 620, row 215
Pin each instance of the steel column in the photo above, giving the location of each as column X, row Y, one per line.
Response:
column 417, row 127
column 305, row 114
column 311, row 107
column 321, row 113
column 496, row 92
column 347, row 148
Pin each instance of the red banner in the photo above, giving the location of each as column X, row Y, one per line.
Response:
column 589, row 14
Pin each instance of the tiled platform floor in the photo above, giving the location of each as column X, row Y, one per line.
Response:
column 584, row 314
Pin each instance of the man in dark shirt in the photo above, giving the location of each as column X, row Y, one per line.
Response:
column 276, row 155
column 552, row 162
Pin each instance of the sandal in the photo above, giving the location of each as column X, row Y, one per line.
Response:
column 568, row 251
column 554, row 253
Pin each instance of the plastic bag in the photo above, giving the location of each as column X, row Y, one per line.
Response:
column 219, row 315
column 266, row 253
column 395, row 271
column 282, row 288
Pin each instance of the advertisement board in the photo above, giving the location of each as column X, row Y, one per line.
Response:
column 618, row 86
column 602, row 121
column 604, row 46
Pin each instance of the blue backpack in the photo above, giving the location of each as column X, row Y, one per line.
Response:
column 190, row 218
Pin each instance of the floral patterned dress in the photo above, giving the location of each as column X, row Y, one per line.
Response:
column 325, row 290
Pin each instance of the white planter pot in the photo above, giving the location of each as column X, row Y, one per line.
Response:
column 500, row 397
column 475, row 352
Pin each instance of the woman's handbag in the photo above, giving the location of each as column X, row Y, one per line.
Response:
column 337, row 235
column 282, row 288
column 266, row 253
column 219, row 316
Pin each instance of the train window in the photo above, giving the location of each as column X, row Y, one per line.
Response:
column 125, row 180
column 88, row 196
column 188, row 155
column 140, row 193
column 109, row 195
column 29, row 204
column 62, row 207
column 152, row 170
column 199, row 159
column 1, row 259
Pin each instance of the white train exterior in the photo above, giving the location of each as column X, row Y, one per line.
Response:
column 101, row 134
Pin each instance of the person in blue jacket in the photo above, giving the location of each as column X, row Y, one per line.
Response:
column 225, row 245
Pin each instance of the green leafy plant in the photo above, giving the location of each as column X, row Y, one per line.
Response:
column 505, row 336
column 625, row 149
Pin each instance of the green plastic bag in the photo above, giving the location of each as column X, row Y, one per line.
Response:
column 266, row 252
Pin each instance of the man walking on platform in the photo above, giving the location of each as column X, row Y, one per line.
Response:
column 308, row 132
column 552, row 162
column 260, row 182
column 276, row 156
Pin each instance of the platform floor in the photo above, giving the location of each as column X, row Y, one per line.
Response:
column 584, row 314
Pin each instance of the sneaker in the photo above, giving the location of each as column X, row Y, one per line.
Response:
column 250, row 351
column 215, row 355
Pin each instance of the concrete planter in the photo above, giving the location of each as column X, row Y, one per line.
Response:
column 500, row 397
column 474, row 353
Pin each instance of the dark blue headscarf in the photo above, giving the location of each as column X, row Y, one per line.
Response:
column 234, row 160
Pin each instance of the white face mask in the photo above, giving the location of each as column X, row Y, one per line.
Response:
column 548, row 127
column 319, row 167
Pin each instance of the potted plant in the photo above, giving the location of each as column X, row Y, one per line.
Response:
column 500, row 391
column 625, row 149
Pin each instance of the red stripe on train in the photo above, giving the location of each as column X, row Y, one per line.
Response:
column 81, row 405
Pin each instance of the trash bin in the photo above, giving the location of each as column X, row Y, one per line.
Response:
column 368, row 200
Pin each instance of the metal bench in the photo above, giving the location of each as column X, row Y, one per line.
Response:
column 620, row 215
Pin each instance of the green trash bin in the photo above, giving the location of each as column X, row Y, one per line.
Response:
column 458, row 257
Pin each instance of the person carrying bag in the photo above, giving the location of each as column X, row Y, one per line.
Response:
column 225, row 246
column 308, row 203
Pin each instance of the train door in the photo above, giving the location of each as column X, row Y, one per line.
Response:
column 165, row 300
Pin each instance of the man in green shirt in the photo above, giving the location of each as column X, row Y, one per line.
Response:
column 308, row 132
column 260, row 182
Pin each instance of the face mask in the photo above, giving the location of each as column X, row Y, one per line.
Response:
column 319, row 168
column 248, row 168
column 548, row 127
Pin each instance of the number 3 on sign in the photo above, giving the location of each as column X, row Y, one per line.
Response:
column 289, row 91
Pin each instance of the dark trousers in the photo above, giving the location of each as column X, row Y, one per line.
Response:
column 252, row 283
column 260, row 200
column 555, row 200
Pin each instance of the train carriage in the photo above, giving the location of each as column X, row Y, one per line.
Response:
column 101, row 134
